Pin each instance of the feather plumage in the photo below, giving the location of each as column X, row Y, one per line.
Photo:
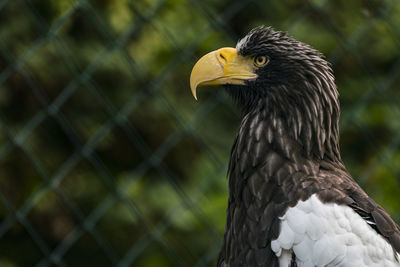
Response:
column 291, row 200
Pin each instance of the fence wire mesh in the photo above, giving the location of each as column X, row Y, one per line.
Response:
column 105, row 158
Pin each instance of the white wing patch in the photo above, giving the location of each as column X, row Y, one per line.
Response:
column 329, row 235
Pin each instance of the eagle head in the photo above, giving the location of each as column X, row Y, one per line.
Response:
column 271, row 73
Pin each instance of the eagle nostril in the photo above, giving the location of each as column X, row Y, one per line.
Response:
column 222, row 57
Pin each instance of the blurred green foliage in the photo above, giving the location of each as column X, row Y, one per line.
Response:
column 106, row 159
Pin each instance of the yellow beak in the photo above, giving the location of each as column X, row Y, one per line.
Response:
column 223, row 66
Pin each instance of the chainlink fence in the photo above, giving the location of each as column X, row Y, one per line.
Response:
column 105, row 157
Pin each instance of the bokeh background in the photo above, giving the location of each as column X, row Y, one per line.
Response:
column 105, row 157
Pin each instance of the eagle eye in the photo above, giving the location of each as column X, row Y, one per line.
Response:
column 260, row 61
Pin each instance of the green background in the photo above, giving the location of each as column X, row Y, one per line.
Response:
column 105, row 157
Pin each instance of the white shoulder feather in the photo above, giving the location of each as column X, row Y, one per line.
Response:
column 327, row 234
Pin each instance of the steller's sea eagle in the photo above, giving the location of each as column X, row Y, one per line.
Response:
column 291, row 200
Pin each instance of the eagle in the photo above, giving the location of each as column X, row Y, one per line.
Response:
column 291, row 200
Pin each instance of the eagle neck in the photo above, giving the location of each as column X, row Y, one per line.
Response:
column 270, row 137
column 315, row 134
